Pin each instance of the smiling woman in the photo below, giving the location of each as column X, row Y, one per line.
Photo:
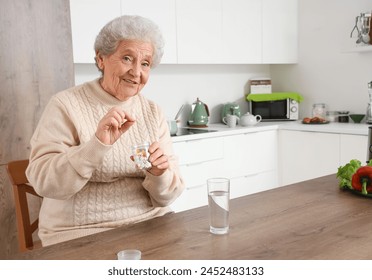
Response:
column 126, row 71
column 125, row 63
column 80, row 158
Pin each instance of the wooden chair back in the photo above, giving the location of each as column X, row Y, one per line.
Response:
column 21, row 187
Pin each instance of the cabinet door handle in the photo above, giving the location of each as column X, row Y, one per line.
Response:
column 195, row 163
column 251, row 175
column 195, row 187
column 250, row 133
column 193, row 140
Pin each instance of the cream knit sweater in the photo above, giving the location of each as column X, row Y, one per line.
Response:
column 90, row 187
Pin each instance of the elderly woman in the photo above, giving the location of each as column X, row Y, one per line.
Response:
column 80, row 159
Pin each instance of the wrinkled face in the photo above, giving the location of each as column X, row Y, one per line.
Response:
column 126, row 71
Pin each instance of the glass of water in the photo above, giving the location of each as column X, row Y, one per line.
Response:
column 218, row 204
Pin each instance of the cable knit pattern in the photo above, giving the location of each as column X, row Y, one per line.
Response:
column 114, row 193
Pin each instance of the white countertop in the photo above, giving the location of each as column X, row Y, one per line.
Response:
column 333, row 127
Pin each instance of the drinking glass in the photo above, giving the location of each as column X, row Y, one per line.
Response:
column 218, row 204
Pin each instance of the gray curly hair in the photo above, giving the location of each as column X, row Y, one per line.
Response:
column 129, row 28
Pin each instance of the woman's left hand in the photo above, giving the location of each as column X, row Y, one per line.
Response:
column 158, row 159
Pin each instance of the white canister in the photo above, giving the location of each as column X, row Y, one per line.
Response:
column 332, row 116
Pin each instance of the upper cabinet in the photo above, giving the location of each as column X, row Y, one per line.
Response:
column 279, row 31
column 199, row 31
column 162, row 12
column 241, row 31
column 87, row 19
column 219, row 31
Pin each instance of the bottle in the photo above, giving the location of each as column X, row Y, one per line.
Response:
column 369, row 107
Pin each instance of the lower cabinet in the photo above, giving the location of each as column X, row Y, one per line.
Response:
column 199, row 160
column 250, row 153
column 192, row 197
column 259, row 161
column 306, row 155
column 353, row 147
column 195, row 176
column 249, row 160
column 249, row 184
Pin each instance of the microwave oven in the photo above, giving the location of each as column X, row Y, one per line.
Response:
column 275, row 110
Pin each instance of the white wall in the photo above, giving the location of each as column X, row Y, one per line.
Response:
column 173, row 85
column 325, row 73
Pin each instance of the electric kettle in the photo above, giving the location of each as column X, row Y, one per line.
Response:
column 199, row 114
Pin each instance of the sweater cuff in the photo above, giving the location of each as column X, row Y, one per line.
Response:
column 159, row 182
column 88, row 156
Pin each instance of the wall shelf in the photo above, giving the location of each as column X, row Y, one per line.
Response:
column 359, row 49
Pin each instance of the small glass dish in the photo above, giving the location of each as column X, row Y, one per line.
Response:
column 130, row 254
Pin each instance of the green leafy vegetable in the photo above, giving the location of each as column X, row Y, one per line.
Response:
column 345, row 173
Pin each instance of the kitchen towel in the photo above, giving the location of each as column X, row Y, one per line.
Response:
column 274, row 96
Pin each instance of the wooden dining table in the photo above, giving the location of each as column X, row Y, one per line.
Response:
column 310, row 220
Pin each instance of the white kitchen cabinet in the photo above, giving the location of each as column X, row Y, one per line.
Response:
column 195, row 176
column 192, row 197
column 241, row 31
column 89, row 16
column 249, row 160
column 250, row 153
column 306, row 155
column 279, row 31
column 256, row 161
column 87, row 19
column 162, row 12
column 199, row 31
column 257, row 182
column 199, row 160
column 353, row 147
column 224, row 31
column 199, row 150
column 237, row 31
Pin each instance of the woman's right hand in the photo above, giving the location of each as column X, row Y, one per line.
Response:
column 113, row 125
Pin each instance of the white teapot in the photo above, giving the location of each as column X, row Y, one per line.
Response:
column 249, row 120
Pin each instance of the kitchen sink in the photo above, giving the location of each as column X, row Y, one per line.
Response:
column 188, row 131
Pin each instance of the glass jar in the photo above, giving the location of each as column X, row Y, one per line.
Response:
column 319, row 110
column 332, row 116
column 343, row 116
